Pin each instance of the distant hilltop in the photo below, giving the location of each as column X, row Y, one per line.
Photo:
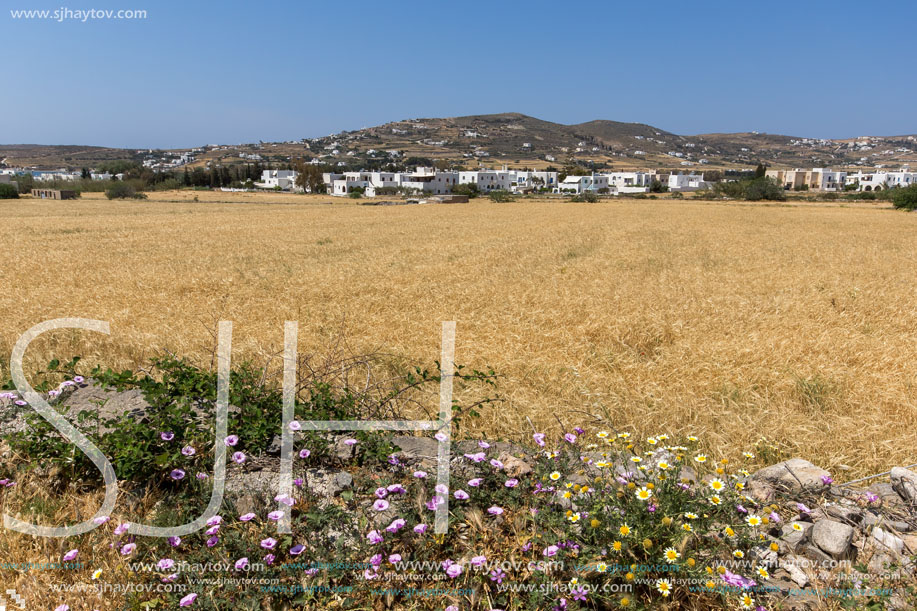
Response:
column 514, row 139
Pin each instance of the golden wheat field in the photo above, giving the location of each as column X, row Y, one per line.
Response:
column 737, row 322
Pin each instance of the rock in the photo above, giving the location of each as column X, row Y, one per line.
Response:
column 833, row 538
column 887, row 542
column 275, row 446
column 513, row 466
column 252, row 491
column 814, row 554
column 419, row 451
column 781, row 475
column 904, row 482
column 795, row 538
column 886, row 493
column 760, row 491
column 342, row 450
column 849, row 515
column 327, row 483
column 791, row 565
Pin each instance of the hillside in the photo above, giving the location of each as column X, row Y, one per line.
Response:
column 519, row 140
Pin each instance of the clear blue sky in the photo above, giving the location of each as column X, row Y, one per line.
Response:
column 197, row 72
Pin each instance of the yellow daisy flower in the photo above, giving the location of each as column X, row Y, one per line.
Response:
column 664, row 586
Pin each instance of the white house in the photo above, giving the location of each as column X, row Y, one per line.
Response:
column 595, row 183
column 271, row 179
column 522, row 181
column 877, row 181
column 488, row 180
column 631, row 182
column 687, row 182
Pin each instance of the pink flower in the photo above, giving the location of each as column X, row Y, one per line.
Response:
column 101, row 520
column 440, row 436
column 477, row 457
column 549, row 551
column 188, row 600
column 454, row 570
column 275, row 515
column 284, row 499
column 241, row 563
column 269, row 543
column 394, row 558
column 213, row 521
column 478, row 560
column 442, row 488
column 495, row 511
column 381, row 493
column 461, row 495
column 350, row 442
column 165, row 564
column 397, row 488
column 212, row 541
column 61, row 608
column 396, row 525
column 174, row 541
column 295, row 425
column 167, row 435
column 570, row 437
column 128, row 549
column 169, row 578
column 188, row 451
column 231, row 440
column 474, row 483
column 511, row 483
column 483, row 444
column 304, row 453
column 539, row 439
column 827, row 480
column 177, row 474
column 238, row 457
column 420, row 474
column 374, row 537
column 212, row 530
column 380, row 505
column 71, row 555
column 122, row 528
column 269, row 558
column 420, row 529
column 297, row 550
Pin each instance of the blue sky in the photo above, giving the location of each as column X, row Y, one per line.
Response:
column 197, row 72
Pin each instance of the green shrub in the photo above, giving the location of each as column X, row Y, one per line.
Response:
column 501, row 196
column 8, row 192
column 123, row 190
column 904, row 198
column 470, row 190
column 587, row 196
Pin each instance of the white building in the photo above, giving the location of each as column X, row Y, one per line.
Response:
column 687, row 182
column 488, row 180
column 878, row 181
column 271, row 179
column 595, row 183
column 631, row 182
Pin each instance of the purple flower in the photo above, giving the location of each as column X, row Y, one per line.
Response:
column 827, row 480
column 497, row 575
column 737, row 580
column 201, row 475
column 247, row 517
column 549, row 551
column 375, row 560
column 872, row 497
column 380, row 505
column 374, row 537
column 297, row 550
column 396, row 525
column 269, row 558
column 304, row 453
column 539, row 439
column 397, row 489
column 241, row 564
column 570, row 437
column 350, row 442
column 177, row 474
column 420, row 474
column 295, row 425
column 496, row 464
column 511, row 483
column 188, row 451
column 454, row 570
column 774, row 517
column 188, row 600
column 460, row 495
column 71, row 555
column 478, row 560
column 579, row 593
column 269, row 543
column 21, row 403
column 213, row 521
column 212, row 541
column 128, row 549
column 495, row 511
column 79, row 379
column 174, row 541
column 231, row 440
column 741, row 509
column 298, row 482
column 393, row 460
column 275, row 515
column 578, row 430
column 441, row 488
column 476, row 457
column 381, row 493
column 435, row 502
column 169, row 578
column 420, row 529
column 803, row 509
column 394, row 558
column 284, row 499
column 212, row 530
column 122, row 528
column 238, row 457
column 440, row 436
column 167, row 435
column 165, row 564
column 474, row 483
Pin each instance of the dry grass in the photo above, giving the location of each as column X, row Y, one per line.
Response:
column 737, row 322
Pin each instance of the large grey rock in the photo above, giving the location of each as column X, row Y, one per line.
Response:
column 417, row 451
column 252, row 491
column 833, row 538
column 514, row 466
column 887, row 542
column 886, row 493
column 792, row 475
column 904, row 482
column 327, row 483
column 792, row 565
column 795, row 538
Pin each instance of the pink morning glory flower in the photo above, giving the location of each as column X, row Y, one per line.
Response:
column 177, row 474
column 380, row 505
column 71, row 555
column 304, row 453
column 478, row 560
column 188, row 451
column 122, row 528
column 374, row 537
column 174, row 541
column 476, row 457
column 474, row 483
column 297, row 550
column 441, row 488
column 570, row 437
column 295, row 425
column 539, row 439
column 214, row 520
column 495, row 511
column 247, row 517
column 394, row 558
column 275, row 515
column 550, row 550
column 167, row 435
column 188, row 600
column 212, row 541
column 440, row 436
column 420, row 529
column 269, row 543
column 454, row 570
column 165, row 564
column 128, row 549
column 241, row 563
column 350, row 442
column 420, row 474
column 212, row 530
column 396, row 525
column 511, row 483
column 461, row 495
column 238, row 457
column 231, row 440
column 381, row 493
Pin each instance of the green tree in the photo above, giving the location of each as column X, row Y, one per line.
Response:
column 309, row 177
column 8, row 191
column 904, row 198
column 760, row 171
